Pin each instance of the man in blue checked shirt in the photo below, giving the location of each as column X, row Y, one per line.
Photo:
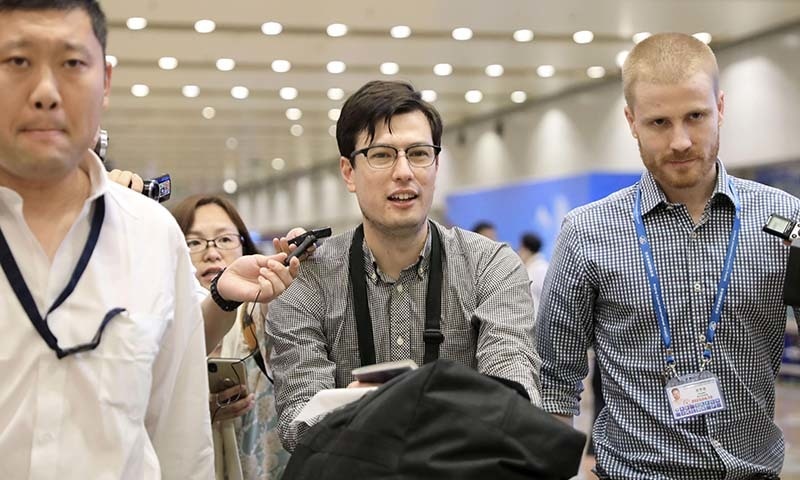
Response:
column 675, row 286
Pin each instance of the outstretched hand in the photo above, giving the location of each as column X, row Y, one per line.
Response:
column 248, row 275
column 282, row 244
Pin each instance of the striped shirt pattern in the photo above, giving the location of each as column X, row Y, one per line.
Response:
column 487, row 319
column 597, row 294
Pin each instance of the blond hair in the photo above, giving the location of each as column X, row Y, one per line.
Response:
column 667, row 59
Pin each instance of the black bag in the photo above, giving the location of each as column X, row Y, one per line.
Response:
column 443, row 420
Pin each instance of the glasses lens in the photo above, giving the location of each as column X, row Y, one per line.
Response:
column 227, row 242
column 421, row 156
column 381, row 157
column 195, row 245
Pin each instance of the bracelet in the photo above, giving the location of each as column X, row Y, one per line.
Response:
column 226, row 305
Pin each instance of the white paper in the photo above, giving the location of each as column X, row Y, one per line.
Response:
column 327, row 400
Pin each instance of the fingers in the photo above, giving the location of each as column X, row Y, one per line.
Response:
column 275, row 278
column 235, row 409
column 357, row 384
column 282, row 244
column 127, row 179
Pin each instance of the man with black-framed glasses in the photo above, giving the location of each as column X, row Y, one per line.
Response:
column 400, row 285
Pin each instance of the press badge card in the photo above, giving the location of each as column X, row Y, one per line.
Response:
column 694, row 394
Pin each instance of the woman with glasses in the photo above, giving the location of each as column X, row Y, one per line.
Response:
column 216, row 236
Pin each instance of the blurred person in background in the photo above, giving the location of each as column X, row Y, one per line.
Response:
column 530, row 245
column 487, row 229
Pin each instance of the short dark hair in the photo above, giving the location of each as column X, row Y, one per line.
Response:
column 184, row 214
column 532, row 242
column 482, row 225
column 91, row 7
column 379, row 101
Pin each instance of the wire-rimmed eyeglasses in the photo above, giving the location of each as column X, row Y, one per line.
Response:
column 227, row 241
column 385, row 156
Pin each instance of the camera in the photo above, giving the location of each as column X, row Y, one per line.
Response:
column 789, row 231
column 158, row 188
column 781, row 227
column 212, row 367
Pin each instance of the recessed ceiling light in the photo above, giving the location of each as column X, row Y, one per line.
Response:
column 278, row 163
column 518, row 96
column 596, row 71
column 190, row 91
column 332, row 131
column 545, row 71
column 462, row 33
column 334, row 113
column 523, row 35
column 209, row 112
column 442, row 69
column 296, row 130
column 335, row 94
column 136, row 23
column 336, row 66
column 704, row 37
column 494, row 70
column 230, row 186
column 239, row 92
column 204, row 26
column 288, row 93
column 281, row 66
column 112, row 60
column 583, row 37
column 225, row 64
column 473, row 96
column 271, row 28
column 168, row 63
column 638, row 37
column 400, row 31
column 140, row 90
column 294, row 114
column 389, row 68
column 429, row 96
column 336, row 30
column 621, row 57
column 231, row 143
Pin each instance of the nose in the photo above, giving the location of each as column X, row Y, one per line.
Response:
column 681, row 140
column 45, row 95
column 402, row 169
column 211, row 253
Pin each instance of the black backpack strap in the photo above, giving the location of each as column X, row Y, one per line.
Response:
column 433, row 299
column 358, row 280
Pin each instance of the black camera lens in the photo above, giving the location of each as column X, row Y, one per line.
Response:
column 212, row 367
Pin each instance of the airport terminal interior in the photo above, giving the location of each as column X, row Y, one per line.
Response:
column 241, row 98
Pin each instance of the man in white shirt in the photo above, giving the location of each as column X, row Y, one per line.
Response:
column 102, row 347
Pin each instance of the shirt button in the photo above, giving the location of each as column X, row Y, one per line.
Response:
column 695, row 235
column 400, row 340
column 373, row 276
column 400, row 289
column 715, row 443
column 701, row 338
column 697, row 287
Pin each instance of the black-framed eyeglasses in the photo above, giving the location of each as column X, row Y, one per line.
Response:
column 227, row 241
column 385, row 156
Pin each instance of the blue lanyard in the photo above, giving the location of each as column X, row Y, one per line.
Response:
column 655, row 284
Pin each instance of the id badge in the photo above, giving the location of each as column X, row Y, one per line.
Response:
column 694, row 394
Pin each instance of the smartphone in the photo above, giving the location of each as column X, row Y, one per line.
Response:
column 383, row 372
column 224, row 373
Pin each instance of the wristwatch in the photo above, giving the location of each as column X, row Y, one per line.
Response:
column 226, row 305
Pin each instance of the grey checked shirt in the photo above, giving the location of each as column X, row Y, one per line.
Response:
column 487, row 319
column 597, row 294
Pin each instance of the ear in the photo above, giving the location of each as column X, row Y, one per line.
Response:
column 631, row 121
column 107, row 84
column 720, row 106
column 347, row 170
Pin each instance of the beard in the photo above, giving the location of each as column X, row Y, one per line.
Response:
column 702, row 168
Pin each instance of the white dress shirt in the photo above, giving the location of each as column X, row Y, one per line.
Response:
column 136, row 407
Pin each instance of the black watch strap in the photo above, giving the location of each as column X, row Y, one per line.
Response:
column 226, row 305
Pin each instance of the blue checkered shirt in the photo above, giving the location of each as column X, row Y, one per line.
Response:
column 597, row 294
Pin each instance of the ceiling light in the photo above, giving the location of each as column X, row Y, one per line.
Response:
column 294, row 114
column 281, row 66
column 704, row 37
column 209, row 112
column 545, row 71
column 518, row 96
column 334, row 114
column 231, row 143
column 230, row 186
column 621, row 57
column 296, row 130
column 335, row 94
column 332, row 131
column 582, row 37
column 494, row 70
column 140, row 90
column 336, row 66
column 462, row 33
column 204, row 26
column 429, row 96
column 168, row 63
column 136, row 23
column 596, row 71
column 389, row 68
column 443, row 69
column 239, row 92
column 225, row 64
column 473, row 96
column 336, row 30
column 271, row 28
column 112, row 60
column 400, row 31
column 190, row 91
column 638, row 37
column 278, row 163
column 288, row 93
column 523, row 35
